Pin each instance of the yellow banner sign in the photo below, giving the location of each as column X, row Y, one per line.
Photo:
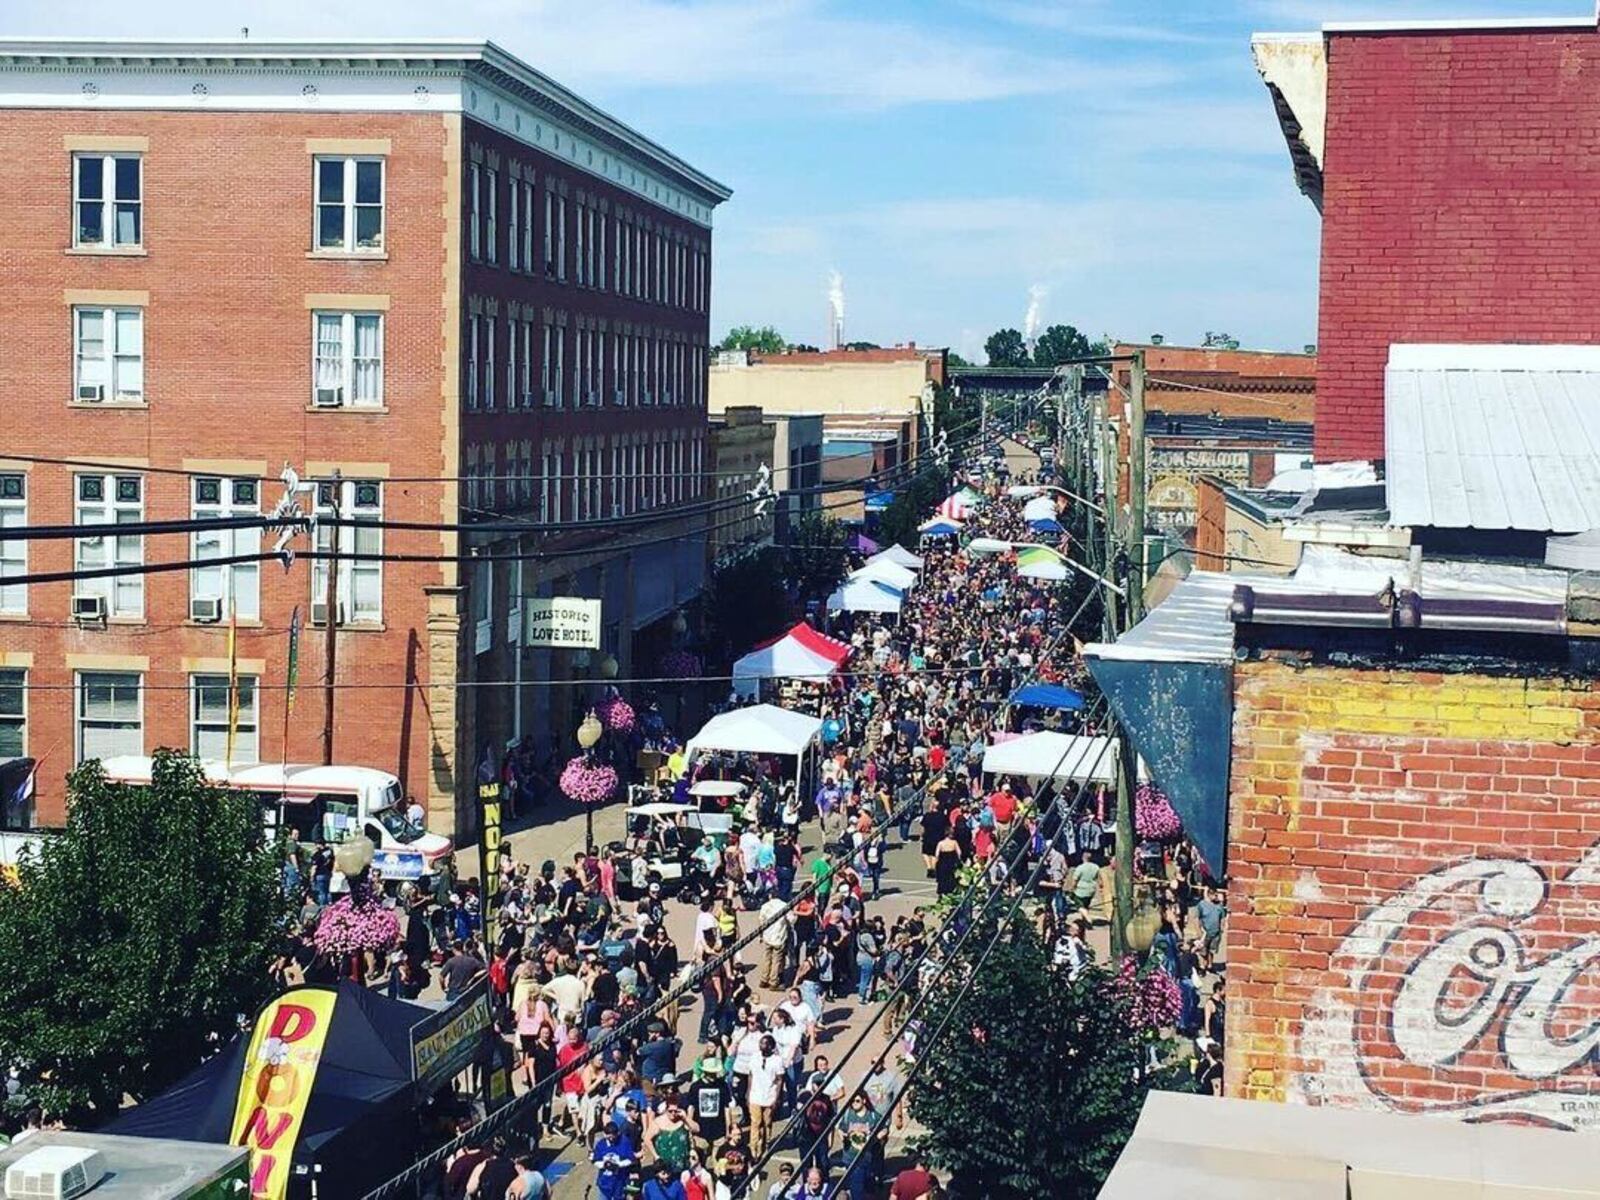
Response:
column 285, row 1048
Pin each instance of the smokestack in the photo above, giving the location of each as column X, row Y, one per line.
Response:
column 836, row 308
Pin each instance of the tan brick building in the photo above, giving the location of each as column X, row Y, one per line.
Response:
column 425, row 266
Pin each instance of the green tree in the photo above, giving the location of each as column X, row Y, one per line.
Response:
column 1061, row 343
column 1039, row 1078
column 862, row 346
column 136, row 938
column 953, row 359
column 1006, row 348
column 814, row 559
column 765, row 339
column 913, row 503
column 747, row 602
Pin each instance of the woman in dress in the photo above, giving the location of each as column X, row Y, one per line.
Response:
column 946, row 859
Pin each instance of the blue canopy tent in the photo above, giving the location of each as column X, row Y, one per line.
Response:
column 940, row 527
column 1048, row 695
column 1046, row 525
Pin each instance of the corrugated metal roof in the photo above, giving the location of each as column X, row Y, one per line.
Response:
column 1493, row 437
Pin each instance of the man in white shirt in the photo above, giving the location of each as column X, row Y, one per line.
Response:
column 766, row 1075
column 774, row 940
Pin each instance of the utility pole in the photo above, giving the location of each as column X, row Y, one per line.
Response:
column 1136, row 493
column 1105, row 439
column 331, row 646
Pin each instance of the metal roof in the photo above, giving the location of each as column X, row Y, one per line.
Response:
column 1493, row 437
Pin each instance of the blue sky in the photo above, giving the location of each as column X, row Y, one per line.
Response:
column 1118, row 159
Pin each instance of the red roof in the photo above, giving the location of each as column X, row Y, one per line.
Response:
column 820, row 643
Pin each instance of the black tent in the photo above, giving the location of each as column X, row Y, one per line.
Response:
column 360, row 1126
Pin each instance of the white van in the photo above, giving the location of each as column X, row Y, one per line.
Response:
column 322, row 803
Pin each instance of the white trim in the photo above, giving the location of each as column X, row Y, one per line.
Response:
column 1469, row 25
column 1492, row 357
column 475, row 78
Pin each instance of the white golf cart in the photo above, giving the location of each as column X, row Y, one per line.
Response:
column 661, row 839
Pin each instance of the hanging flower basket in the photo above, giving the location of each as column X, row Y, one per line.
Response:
column 678, row 664
column 616, row 714
column 355, row 923
column 1153, row 995
column 588, row 783
column 1154, row 818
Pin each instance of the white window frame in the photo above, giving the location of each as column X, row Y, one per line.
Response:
column 349, row 569
column 247, row 730
column 549, row 230
column 492, row 180
column 489, row 324
column 547, row 483
column 473, row 338
column 13, row 553
column 123, row 594
column 483, row 604
column 512, row 336
column 475, row 211
column 561, row 238
column 528, row 399
column 514, row 226
column 80, row 721
column 109, row 368
column 346, row 364
column 15, row 679
column 514, row 573
column 528, row 217
column 236, row 586
column 108, row 203
column 581, row 262
column 348, row 204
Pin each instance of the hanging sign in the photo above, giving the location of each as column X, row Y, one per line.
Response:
column 285, row 1049
column 569, row 622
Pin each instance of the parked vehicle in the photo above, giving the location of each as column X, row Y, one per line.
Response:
column 660, row 845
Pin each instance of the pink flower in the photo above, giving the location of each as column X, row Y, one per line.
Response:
column 588, row 783
column 678, row 664
column 616, row 714
column 356, row 922
column 1154, row 996
column 1154, row 817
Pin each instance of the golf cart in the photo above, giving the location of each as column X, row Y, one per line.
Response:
column 717, row 795
column 660, row 844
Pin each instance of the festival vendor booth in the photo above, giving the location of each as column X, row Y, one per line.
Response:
column 862, row 594
column 957, row 508
column 1047, row 695
column 760, row 729
column 1041, row 562
column 328, row 1091
column 801, row 653
column 940, row 527
column 898, row 555
column 1051, row 755
column 901, row 579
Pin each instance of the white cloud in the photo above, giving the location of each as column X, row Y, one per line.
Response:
column 784, row 47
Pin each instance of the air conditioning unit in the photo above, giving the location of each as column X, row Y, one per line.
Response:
column 319, row 612
column 54, row 1173
column 329, row 397
column 88, row 607
column 205, row 609
column 91, row 393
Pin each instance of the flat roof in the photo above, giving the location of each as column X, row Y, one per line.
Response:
column 139, row 1168
column 481, row 58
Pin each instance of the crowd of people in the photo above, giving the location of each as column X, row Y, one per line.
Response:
column 678, row 1108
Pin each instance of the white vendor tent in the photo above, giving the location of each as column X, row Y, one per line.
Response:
column 900, row 578
column 759, row 729
column 1038, row 509
column 1048, row 754
column 802, row 653
column 866, row 595
column 898, row 555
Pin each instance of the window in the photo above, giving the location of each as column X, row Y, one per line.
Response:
column 111, row 500
column 527, row 364
column 561, row 238
column 236, row 586
column 475, row 210
column 360, row 582
column 108, row 347
column 513, row 226
column 13, row 554
column 512, row 338
column 349, row 359
column 547, row 485
column 527, row 225
column 483, row 605
column 549, row 231
column 600, row 249
column 13, row 715
column 474, row 337
column 582, row 267
column 350, row 204
column 107, row 192
column 110, row 712
column 211, row 711
column 514, row 598
column 488, row 362
column 492, row 237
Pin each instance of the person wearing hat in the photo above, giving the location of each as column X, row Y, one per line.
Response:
column 708, row 1099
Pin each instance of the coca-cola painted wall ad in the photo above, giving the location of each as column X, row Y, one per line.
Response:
column 1416, row 910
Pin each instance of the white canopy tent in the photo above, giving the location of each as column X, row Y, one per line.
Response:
column 866, row 595
column 988, row 545
column 898, row 555
column 793, row 656
column 1051, row 755
column 902, row 579
column 759, row 729
column 1038, row 509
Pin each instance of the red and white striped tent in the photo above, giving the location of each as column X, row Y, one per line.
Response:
column 956, row 508
column 801, row 653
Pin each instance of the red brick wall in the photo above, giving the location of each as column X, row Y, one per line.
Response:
column 1211, row 525
column 1415, row 893
column 227, row 201
column 1460, row 172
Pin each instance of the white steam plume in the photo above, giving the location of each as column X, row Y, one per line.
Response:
column 836, row 307
column 1030, row 323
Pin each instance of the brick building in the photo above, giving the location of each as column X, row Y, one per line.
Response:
column 423, row 266
column 1462, row 214
column 741, row 443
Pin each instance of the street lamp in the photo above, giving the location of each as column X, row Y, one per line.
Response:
column 353, row 856
column 1139, row 931
column 588, row 736
column 608, row 667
